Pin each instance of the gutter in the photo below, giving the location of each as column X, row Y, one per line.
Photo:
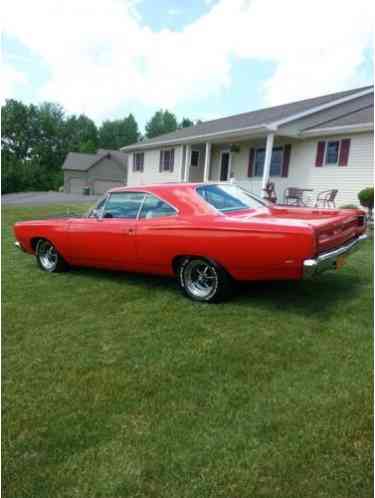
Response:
column 201, row 138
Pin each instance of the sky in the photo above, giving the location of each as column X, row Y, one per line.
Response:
column 201, row 59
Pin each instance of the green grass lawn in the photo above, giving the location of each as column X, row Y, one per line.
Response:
column 115, row 385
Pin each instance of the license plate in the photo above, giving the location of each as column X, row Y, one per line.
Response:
column 340, row 262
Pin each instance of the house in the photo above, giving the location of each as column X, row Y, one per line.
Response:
column 319, row 143
column 101, row 171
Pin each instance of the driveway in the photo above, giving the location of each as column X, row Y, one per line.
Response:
column 37, row 198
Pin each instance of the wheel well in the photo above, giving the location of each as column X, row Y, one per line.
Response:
column 178, row 259
column 176, row 262
column 34, row 241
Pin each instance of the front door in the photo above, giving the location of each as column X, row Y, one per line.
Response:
column 107, row 241
column 224, row 170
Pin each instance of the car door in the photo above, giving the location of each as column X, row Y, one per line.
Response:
column 156, row 234
column 107, row 239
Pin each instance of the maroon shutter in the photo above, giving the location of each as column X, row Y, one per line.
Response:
column 250, row 169
column 171, row 160
column 344, row 152
column 161, row 161
column 320, row 154
column 286, row 160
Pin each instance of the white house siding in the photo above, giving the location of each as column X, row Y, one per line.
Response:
column 151, row 173
column 349, row 180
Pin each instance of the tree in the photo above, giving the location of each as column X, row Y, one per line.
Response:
column 81, row 134
column 185, row 123
column 161, row 122
column 118, row 133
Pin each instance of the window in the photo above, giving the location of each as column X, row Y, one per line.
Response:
column 194, row 158
column 153, row 207
column 123, row 205
column 332, row 154
column 276, row 161
column 139, row 158
column 166, row 160
column 228, row 197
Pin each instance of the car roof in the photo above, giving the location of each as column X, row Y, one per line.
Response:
column 182, row 196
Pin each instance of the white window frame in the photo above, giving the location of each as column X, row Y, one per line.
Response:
column 325, row 163
column 282, row 147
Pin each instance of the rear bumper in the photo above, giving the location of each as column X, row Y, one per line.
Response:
column 328, row 260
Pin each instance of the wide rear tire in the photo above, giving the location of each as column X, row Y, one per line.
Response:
column 203, row 280
column 48, row 258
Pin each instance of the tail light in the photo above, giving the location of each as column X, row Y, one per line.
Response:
column 361, row 220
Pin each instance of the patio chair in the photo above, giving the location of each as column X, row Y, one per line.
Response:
column 270, row 192
column 293, row 196
column 326, row 199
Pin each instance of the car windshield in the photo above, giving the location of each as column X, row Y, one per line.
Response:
column 229, row 197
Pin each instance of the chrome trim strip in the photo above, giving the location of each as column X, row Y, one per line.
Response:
column 327, row 261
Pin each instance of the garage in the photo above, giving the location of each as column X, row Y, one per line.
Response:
column 99, row 172
column 76, row 185
column 102, row 186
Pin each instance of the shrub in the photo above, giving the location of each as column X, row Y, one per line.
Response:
column 366, row 198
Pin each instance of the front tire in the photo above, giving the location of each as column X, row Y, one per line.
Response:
column 48, row 258
column 203, row 280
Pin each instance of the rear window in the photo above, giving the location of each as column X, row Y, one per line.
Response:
column 229, row 197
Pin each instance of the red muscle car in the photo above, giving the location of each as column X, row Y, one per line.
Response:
column 206, row 234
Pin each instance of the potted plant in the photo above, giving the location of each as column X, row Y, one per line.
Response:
column 366, row 198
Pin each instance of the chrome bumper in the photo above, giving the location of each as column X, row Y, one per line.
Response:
column 328, row 260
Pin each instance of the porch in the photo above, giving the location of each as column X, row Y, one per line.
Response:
column 251, row 161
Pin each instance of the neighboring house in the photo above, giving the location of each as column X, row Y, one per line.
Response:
column 101, row 171
column 320, row 143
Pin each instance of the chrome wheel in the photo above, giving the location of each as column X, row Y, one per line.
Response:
column 47, row 255
column 200, row 279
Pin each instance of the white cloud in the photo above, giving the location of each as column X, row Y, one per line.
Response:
column 101, row 55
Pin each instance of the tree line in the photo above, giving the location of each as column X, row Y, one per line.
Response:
column 36, row 139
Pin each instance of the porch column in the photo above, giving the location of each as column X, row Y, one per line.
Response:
column 207, row 162
column 187, row 162
column 267, row 161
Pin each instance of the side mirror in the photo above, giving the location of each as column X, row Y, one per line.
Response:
column 96, row 213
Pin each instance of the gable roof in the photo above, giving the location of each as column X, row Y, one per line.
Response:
column 364, row 115
column 79, row 161
column 258, row 119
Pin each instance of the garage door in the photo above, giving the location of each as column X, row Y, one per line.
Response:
column 76, row 185
column 101, row 186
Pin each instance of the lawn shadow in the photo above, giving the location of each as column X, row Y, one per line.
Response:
column 323, row 293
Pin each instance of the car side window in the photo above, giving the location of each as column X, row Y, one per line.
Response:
column 153, row 207
column 123, row 205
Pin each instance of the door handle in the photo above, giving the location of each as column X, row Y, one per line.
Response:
column 130, row 231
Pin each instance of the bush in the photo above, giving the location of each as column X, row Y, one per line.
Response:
column 349, row 206
column 366, row 198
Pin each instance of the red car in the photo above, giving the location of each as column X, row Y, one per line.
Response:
column 208, row 235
